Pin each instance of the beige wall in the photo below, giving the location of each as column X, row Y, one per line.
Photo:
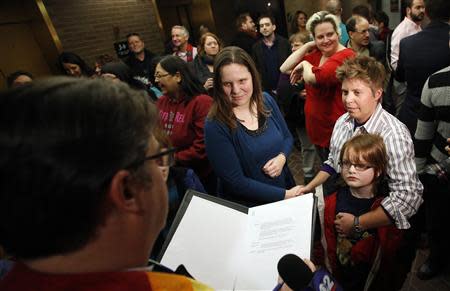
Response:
column 26, row 41
column 88, row 27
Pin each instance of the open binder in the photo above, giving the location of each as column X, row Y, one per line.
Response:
column 231, row 247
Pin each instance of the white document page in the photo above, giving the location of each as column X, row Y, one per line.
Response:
column 209, row 242
column 274, row 230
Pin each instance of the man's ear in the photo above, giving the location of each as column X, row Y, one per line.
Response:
column 274, row 27
column 120, row 193
column 350, row 34
column 408, row 11
column 378, row 93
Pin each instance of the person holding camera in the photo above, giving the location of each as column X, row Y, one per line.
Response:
column 433, row 166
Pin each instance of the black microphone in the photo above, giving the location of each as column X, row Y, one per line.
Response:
column 294, row 272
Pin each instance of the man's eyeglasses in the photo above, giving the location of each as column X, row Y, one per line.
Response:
column 346, row 164
column 165, row 157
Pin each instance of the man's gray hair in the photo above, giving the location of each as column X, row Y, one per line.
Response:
column 181, row 27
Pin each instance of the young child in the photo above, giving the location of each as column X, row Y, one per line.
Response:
column 363, row 260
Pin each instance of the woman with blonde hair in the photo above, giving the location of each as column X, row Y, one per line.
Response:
column 247, row 140
column 315, row 63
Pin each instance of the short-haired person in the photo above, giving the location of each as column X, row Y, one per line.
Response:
column 315, row 63
column 73, row 65
column 415, row 13
column 82, row 199
column 358, row 31
column 269, row 52
column 183, row 109
column 364, row 11
column 335, row 8
column 181, row 46
column 247, row 139
column 118, row 71
column 246, row 34
column 353, row 256
column 421, row 55
column 19, row 78
column 203, row 64
column 140, row 60
column 362, row 86
column 433, row 128
column 381, row 20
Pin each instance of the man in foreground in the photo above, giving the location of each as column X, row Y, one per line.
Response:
column 82, row 199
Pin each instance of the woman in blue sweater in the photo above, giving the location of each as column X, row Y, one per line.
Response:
column 247, row 140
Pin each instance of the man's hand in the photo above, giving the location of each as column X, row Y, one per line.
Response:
column 274, row 166
column 344, row 223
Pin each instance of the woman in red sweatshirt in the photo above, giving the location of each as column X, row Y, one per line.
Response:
column 183, row 109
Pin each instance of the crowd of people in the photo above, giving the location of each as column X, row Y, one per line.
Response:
column 94, row 165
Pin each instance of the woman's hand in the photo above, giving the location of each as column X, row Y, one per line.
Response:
column 293, row 192
column 309, row 46
column 297, row 73
column 274, row 166
column 208, row 84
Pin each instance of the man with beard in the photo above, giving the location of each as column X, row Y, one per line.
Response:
column 182, row 48
column 421, row 55
column 269, row 53
column 246, row 35
column 140, row 60
column 415, row 12
column 358, row 30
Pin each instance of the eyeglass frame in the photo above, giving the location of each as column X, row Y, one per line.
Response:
column 161, row 76
column 346, row 164
column 154, row 157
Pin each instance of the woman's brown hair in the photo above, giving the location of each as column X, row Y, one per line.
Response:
column 222, row 108
column 201, row 46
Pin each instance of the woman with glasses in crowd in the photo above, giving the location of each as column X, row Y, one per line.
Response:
column 247, row 139
column 183, row 109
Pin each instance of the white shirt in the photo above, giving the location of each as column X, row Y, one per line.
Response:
column 405, row 189
column 406, row 28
